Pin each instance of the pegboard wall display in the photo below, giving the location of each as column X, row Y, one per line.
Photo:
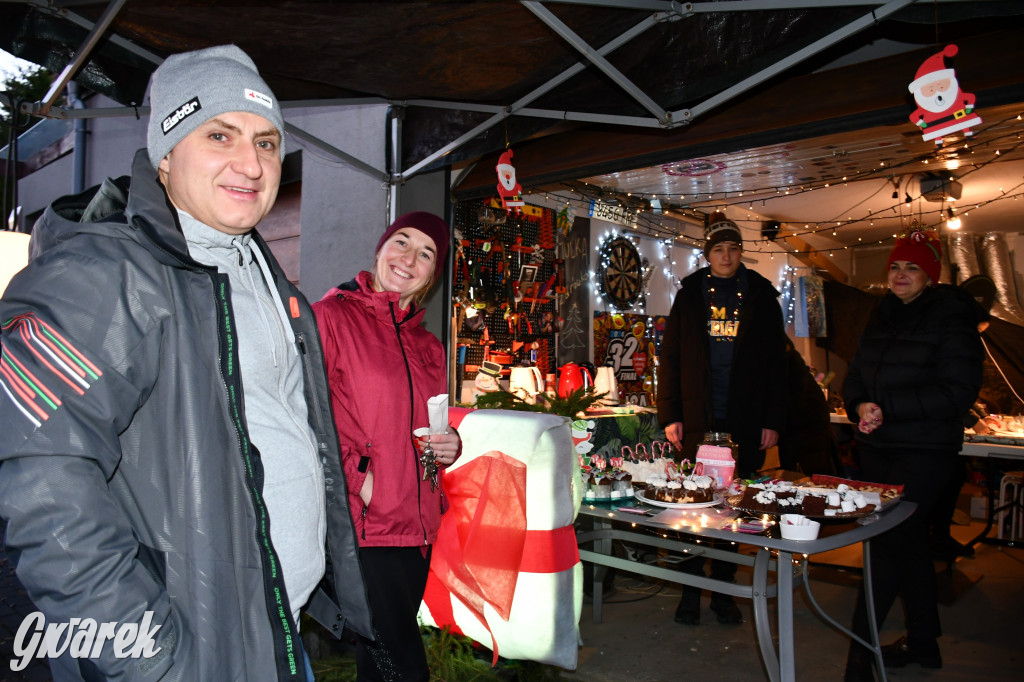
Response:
column 507, row 282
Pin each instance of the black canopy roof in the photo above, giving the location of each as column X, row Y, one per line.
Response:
column 476, row 76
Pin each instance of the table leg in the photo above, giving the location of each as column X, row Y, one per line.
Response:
column 602, row 547
column 869, row 599
column 762, row 625
column 787, row 660
column 990, row 472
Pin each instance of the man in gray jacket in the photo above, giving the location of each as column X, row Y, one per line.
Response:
column 169, row 468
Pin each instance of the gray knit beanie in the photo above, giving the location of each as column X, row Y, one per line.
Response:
column 190, row 88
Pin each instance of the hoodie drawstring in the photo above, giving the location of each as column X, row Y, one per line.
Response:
column 282, row 314
column 265, row 270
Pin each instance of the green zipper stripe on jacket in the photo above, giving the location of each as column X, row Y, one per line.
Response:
column 285, row 645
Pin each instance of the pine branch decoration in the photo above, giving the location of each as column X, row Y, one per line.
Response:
column 577, row 402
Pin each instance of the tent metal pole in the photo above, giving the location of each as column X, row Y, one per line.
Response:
column 83, row 53
column 334, row 151
column 606, row 67
column 872, row 17
column 63, row 12
column 395, row 130
column 612, row 45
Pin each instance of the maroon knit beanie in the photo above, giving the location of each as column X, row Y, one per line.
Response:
column 430, row 225
column 921, row 247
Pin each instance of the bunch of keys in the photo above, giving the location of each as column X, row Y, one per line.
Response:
column 429, row 461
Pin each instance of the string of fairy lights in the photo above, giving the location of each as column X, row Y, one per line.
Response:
column 785, row 283
column 661, row 226
column 668, row 229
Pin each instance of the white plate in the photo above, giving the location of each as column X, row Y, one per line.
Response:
column 679, row 505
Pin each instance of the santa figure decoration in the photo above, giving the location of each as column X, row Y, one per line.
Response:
column 508, row 189
column 942, row 108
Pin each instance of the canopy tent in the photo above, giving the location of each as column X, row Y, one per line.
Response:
column 470, row 78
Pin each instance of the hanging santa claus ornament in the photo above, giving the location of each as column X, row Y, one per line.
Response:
column 509, row 190
column 942, row 108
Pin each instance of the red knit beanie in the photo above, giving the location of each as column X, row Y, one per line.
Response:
column 921, row 247
column 430, row 225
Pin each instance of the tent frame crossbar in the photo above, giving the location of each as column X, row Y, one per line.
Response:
column 662, row 11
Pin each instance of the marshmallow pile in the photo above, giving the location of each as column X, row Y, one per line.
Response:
column 845, row 499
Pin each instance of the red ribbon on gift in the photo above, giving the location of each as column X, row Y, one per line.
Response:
column 479, row 546
column 483, row 544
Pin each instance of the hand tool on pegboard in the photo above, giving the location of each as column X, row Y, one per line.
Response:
column 546, row 232
column 543, row 291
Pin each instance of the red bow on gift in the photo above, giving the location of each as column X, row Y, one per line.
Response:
column 479, row 547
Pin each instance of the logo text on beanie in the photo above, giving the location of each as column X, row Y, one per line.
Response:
column 180, row 114
column 259, row 97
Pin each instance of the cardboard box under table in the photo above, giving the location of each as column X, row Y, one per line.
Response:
column 505, row 569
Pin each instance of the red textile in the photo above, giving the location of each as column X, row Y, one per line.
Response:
column 479, row 546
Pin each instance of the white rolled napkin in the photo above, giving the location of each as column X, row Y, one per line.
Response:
column 437, row 415
column 437, row 410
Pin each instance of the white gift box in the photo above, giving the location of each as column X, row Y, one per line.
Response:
column 543, row 623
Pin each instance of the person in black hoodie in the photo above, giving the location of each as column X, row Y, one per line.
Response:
column 916, row 372
column 807, row 443
column 722, row 368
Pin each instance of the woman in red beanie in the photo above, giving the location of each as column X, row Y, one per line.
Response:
column 383, row 367
column 916, row 372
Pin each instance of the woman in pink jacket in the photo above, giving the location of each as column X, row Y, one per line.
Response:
column 382, row 367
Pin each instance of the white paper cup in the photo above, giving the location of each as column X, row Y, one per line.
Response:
column 797, row 527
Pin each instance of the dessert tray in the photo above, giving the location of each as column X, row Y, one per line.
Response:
column 877, row 495
column 679, row 505
column 733, row 502
column 887, row 494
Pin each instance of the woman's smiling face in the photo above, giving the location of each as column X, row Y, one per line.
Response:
column 907, row 280
column 405, row 264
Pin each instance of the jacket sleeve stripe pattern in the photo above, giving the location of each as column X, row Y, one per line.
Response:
column 52, row 354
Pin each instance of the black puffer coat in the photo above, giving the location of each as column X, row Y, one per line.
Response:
column 922, row 364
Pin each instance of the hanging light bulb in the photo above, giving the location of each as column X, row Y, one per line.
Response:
column 953, row 220
column 907, row 200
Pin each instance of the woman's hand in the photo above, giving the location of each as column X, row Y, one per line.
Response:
column 769, row 438
column 870, row 417
column 366, row 492
column 445, row 445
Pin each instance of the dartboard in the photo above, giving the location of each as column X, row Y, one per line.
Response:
column 621, row 277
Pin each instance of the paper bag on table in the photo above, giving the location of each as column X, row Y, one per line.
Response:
column 717, row 462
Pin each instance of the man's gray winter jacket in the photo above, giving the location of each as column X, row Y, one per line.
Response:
column 126, row 473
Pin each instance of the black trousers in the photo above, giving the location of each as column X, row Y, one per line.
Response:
column 724, row 570
column 901, row 562
column 395, row 579
column 942, row 515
